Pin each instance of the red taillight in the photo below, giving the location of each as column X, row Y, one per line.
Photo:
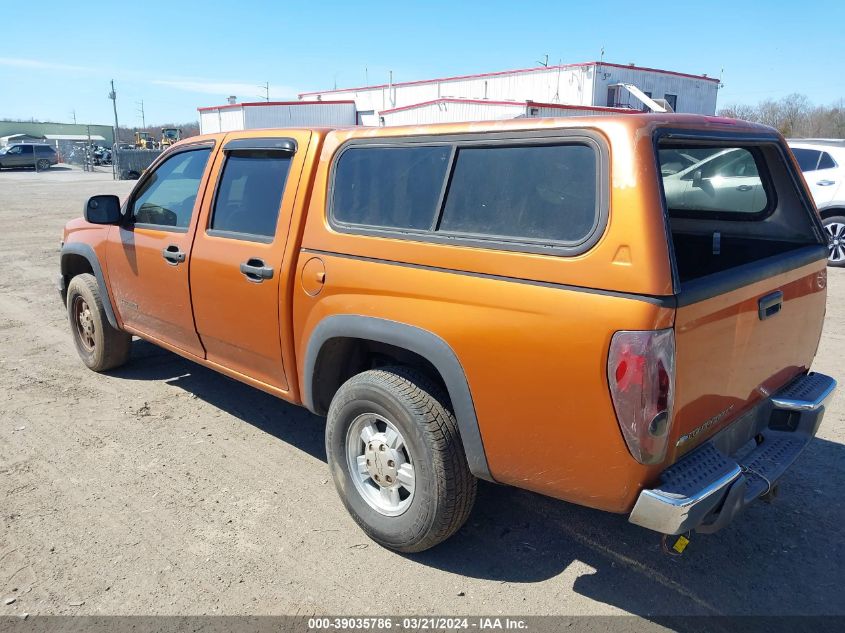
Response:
column 641, row 374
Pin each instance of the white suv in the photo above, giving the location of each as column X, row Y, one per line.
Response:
column 823, row 164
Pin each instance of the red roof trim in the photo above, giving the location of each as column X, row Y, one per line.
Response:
column 659, row 70
column 518, row 104
column 508, row 72
column 275, row 103
column 572, row 106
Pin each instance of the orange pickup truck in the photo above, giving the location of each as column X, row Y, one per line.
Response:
column 616, row 311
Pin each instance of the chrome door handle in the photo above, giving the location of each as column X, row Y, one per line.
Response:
column 173, row 255
column 744, row 188
column 255, row 270
column 826, row 183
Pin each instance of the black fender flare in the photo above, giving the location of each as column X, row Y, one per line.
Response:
column 86, row 251
column 421, row 342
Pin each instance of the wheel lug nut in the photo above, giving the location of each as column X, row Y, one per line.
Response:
column 389, row 479
column 368, row 462
column 381, row 447
column 391, row 463
column 376, row 477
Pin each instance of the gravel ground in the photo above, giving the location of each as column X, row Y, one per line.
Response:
column 165, row 488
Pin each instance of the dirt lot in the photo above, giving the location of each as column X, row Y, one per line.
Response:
column 165, row 488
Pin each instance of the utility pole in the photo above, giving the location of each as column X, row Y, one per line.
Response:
column 73, row 114
column 266, row 87
column 113, row 97
column 141, row 112
column 545, row 62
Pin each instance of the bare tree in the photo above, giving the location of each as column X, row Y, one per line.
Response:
column 793, row 116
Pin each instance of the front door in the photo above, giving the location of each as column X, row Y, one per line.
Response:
column 149, row 254
column 19, row 156
column 236, row 286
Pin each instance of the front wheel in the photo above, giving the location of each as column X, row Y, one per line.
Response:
column 43, row 164
column 396, row 459
column 101, row 347
column 835, row 228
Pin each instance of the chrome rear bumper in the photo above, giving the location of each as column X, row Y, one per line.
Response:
column 708, row 487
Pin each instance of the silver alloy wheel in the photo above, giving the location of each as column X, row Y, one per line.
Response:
column 380, row 464
column 836, row 241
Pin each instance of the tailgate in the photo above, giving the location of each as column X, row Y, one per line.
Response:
column 728, row 357
column 750, row 261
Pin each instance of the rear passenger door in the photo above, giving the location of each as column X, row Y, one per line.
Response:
column 825, row 180
column 236, row 286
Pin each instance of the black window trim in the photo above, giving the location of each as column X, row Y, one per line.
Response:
column 130, row 201
column 746, row 138
column 830, row 156
column 282, row 145
column 567, row 136
column 732, row 216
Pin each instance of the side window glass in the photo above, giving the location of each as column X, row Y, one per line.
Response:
column 250, row 192
column 544, row 193
column 167, row 197
column 15, row 150
column 807, row 159
column 390, row 187
column 26, row 150
column 826, row 161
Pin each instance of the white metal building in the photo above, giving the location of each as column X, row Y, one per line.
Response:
column 449, row 110
column 593, row 84
column 269, row 114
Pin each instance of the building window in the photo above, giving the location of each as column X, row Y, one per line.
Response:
column 672, row 100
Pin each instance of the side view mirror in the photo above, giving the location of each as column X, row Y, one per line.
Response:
column 696, row 179
column 102, row 210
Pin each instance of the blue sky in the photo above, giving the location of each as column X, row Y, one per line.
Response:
column 64, row 54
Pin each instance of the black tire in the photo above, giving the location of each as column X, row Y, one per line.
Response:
column 43, row 164
column 444, row 489
column 101, row 347
column 834, row 226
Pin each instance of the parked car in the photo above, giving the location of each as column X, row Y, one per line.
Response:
column 514, row 301
column 823, row 164
column 719, row 180
column 33, row 155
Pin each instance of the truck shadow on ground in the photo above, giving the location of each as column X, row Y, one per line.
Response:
column 54, row 168
column 774, row 560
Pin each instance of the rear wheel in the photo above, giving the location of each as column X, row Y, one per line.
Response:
column 101, row 347
column 835, row 227
column 397, row 460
